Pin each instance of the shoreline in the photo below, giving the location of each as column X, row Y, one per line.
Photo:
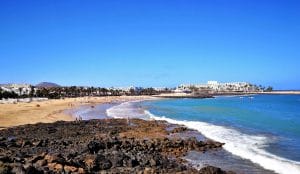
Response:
column 119, row 101
column 50, row 111
column 47, row 111
column 115, row 146
column 233, row 137
column 227, row 156
column 190, row 96
column 141, row 135
column 183, row 95
column 212, row 95
column 282, row 92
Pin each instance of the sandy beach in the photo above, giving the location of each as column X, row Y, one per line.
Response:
column 51, row 110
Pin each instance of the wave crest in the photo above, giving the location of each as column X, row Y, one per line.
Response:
column 246, row 146
column 249, row 147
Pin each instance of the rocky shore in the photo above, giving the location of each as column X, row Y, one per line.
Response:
column 100, row 146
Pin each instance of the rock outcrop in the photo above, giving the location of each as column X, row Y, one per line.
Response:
column 98, row 146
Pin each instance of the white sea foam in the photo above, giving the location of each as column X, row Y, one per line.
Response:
column 126, row 110
column 246, row 146
column 81, row 112
column 243, row 145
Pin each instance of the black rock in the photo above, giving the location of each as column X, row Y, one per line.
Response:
column 3, row 144
column 32, row 170
column 104, row 164
column 26, row 143
column 211, row 170
column 38, row 143
column 94, row 146
column 5, row 169
column 131, row 163
column 86, row 146
column 51, row 130
column 18, row 170
column 117, row 159
column 153, row 162
column 5, row 159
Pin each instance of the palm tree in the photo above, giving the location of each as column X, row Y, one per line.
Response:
column 45, row 92
column 269, row 89
column 104, row 91
column 31, row 94
column 1, row 93
column 72, row 91
column 98, row 91
column 20, row 91
column 132, row 91
column 112, row 92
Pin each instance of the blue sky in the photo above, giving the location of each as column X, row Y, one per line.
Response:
column 150, row 42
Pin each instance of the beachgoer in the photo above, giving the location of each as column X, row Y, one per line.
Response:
column 128, row 121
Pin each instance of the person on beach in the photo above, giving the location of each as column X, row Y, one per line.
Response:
column 79, row 118
column 128, row 121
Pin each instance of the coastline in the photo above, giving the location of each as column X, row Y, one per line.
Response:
column 140, row 133
column 147, row 130
column 282, row 92
column 137, row 110
column 235, row 137
column 50, row 111
column 183, row 95
column 114, row 146
column 86, row 104
column 212, row 95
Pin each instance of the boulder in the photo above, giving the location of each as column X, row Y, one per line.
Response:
column 26, row 143
column 35, row 158
column 117, row 158
column 97, row 162
column 179, row 130
column 5, row 159
column 55, row 167
column 131, row 163
column 33, row 170
column 18, row 170
column 55, row 158
column 95, row 146
column 41, row 162
column 70, row 169
column 211, row 170
column 51, row 130
column 5, row 169
column 81, row 171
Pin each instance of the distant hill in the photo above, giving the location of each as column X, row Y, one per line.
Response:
column 47, row 85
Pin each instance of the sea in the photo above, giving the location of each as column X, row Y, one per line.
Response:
column 261, row 132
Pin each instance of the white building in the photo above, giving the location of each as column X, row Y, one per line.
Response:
column 19, row 89
column 215, row 86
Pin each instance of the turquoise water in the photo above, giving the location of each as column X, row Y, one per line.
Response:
column 262, row 128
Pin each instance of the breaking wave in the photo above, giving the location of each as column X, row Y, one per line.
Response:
column 249, row 147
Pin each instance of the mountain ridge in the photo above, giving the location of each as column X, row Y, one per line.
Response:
column 47, row 84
